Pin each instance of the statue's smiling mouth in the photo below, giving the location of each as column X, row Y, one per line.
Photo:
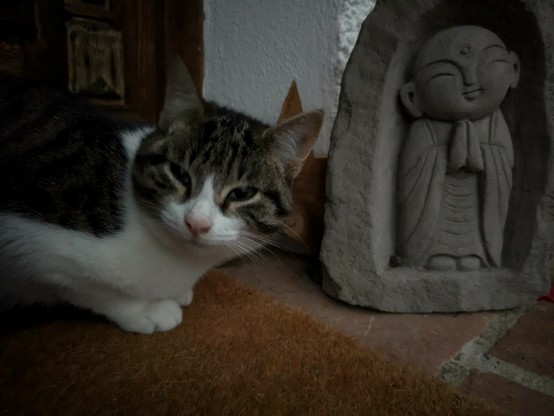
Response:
column 473, row 94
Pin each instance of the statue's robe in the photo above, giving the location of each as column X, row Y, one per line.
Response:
column 437, row 156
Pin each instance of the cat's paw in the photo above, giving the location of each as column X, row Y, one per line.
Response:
column 186, row 298
column 154, row 316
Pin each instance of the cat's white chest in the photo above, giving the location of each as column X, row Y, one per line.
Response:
column 45, row 262
column 144, row 266
column 131, row 261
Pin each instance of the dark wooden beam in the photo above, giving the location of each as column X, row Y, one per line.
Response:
column 184, row 22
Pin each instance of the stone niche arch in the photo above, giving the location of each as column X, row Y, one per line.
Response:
column 359, row 249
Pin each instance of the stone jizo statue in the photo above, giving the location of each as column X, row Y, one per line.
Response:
column 455, row 169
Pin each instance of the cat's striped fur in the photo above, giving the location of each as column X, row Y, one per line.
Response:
column 60, row 160
column 123, row 221
column 242, row 159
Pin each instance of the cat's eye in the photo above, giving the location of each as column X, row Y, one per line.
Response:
column 241, row 194
column 180, row 174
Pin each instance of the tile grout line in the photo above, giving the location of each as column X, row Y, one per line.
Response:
column 369, row 326
column 512, row 372
column 474, row 355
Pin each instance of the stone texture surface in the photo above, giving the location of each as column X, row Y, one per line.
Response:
column 360, row 217
column 515, row 399
column 530, row 343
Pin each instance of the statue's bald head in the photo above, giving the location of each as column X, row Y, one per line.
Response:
column 460, row 72
column 459, row 43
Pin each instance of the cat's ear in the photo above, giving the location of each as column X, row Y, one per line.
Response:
column 182, row 102
column 293, row 139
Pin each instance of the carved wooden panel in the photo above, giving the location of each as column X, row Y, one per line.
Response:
column 113, row 52
column 88, row 7
column 95, row 61
column 11, row 58
column 17, row 25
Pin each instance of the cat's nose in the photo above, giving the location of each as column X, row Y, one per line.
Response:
column 198, row 226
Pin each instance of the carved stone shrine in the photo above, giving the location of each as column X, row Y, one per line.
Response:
column 440, row 184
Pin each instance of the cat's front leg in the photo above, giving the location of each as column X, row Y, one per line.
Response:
column 185, row 299
column 143, row 316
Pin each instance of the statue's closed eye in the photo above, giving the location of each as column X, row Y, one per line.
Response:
column 505, row 61
column 441, row 74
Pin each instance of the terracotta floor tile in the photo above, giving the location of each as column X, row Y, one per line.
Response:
column 425, row 340
column 515, row 399
column 422, row 341
column 530, row 343
column 285, row 279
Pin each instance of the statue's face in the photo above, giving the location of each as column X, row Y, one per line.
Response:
column 463, row 72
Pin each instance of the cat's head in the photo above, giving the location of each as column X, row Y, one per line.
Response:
column 214, row 176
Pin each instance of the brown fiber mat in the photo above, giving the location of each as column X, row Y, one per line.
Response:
column 237, row 353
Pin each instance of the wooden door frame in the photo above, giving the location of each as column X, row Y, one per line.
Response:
column 172, row 27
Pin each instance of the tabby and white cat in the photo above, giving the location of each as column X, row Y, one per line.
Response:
column 124, row 221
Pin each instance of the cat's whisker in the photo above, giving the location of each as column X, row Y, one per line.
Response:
column 235, row 250
column 243, row 252
column 256, row 236
column 249, row 248
column 252, row 252
column 268, row 242
column 258, row 244
column 300, row 239
column 261, row 238
column 263, row 245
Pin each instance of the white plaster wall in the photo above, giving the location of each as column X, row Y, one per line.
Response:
column 254, row 49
